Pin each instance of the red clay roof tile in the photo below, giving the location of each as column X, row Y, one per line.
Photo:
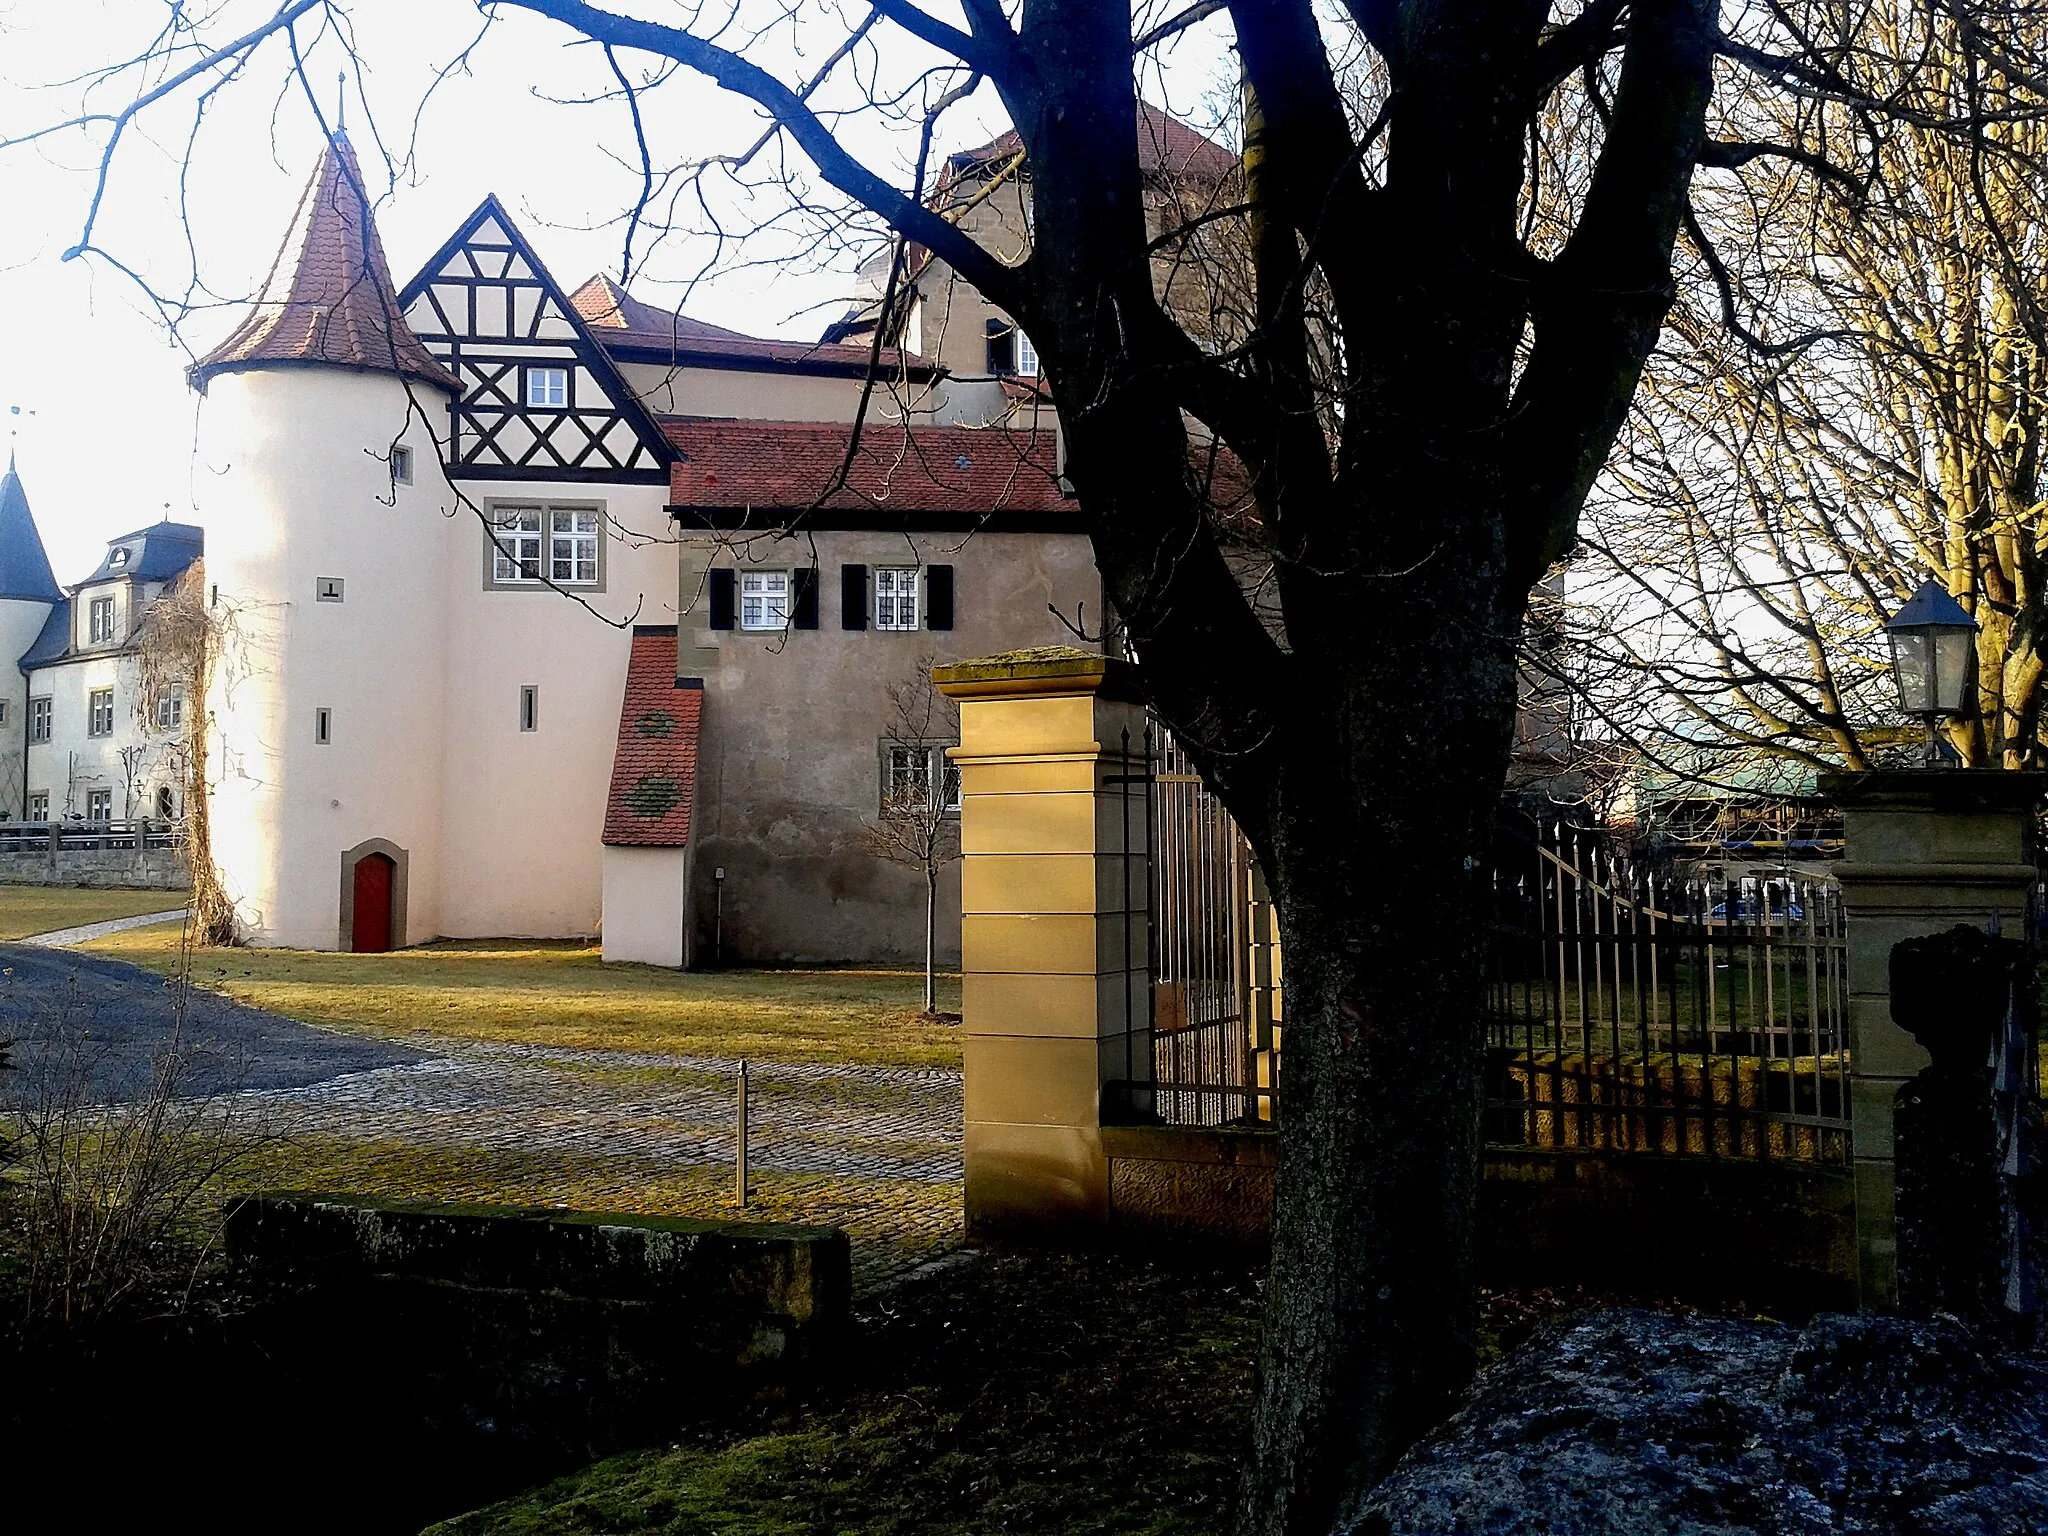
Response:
column 654, row 769
column 329, row 297
column 786, row 466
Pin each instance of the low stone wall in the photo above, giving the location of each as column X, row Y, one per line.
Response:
column 1781, row 1233
column 148, row 869
column 558, row 1334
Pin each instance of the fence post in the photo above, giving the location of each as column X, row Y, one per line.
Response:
column 1927, row 849
column 1054, row 928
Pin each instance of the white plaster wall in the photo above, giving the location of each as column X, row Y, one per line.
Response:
column 20, row 622
column 524, row 810
column 294, row 487
column 73, row 762
column 765, row 396
column 646, row 905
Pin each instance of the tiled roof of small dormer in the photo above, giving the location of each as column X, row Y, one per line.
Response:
column 24, row 566
column 654, row 769
column 156, row 553
column 329, row 298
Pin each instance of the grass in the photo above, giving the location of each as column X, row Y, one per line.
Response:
column 559, row 993
column 30, row 909
column 1026, row 1394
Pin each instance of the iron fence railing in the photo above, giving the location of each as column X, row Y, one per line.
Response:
column 1632, row 1012
column 1203, row 1034
column 89, row 836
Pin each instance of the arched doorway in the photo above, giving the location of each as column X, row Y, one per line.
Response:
column 370, row 925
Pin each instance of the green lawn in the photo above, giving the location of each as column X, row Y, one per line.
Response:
column 560, row 993
column 30, row 909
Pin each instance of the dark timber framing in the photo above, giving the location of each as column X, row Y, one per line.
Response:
column 611, row 439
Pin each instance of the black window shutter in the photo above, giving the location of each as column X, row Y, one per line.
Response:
column 853, row 597
column 721, row 588
column 938, row 597
column 804, row 605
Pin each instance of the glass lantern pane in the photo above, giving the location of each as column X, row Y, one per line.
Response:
column 1913, row 670
column 1952, row 656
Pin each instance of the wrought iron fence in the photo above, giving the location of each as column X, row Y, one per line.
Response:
column 1208, row 1015
column 1637, row 1013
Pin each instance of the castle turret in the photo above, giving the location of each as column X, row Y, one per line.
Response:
column 324, row 499
column 29, row 594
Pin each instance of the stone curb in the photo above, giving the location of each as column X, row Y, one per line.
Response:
column 64, row 938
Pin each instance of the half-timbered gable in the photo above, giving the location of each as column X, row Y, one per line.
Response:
column 540, row 399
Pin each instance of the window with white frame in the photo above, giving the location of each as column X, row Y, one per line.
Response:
column 896, row 597
column 547, row 388
column 170, row 709
column 563, row 546
column 1027, row 356
column 764, row 599
column 100, row 620
column 40, row 712
column 39, row 807
column 99, row 805
column 572, row 546
column 913, row 771
column 99, row 712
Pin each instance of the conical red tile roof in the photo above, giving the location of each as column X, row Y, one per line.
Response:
column 329, row 298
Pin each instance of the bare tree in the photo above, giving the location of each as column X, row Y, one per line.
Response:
column 918, row 824
column 1459, row 222
column 1848, row 398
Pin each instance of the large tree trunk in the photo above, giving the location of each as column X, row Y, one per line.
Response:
column 1379, row 865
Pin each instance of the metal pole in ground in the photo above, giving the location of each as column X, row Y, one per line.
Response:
column 742, row 1180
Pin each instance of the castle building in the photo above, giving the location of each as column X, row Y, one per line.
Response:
column 79, row 740
column 553, row 613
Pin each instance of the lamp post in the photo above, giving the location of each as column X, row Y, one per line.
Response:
column 1934, row 646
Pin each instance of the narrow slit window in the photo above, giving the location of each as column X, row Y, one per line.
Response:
column 529, row 708
column 401, row 466
column 323, row 727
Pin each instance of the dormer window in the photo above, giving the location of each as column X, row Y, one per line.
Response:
column 118, row 558
column 100, row 621
column 547, row 388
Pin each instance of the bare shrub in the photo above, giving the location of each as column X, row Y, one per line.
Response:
column 114, row 1164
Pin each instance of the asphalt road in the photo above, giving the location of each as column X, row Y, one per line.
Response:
column 101, row 1027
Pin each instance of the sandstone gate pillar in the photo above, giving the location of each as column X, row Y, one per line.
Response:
column 1055, row 975
column 1927, row 849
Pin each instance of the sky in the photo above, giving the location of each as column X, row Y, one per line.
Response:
column 92, row 390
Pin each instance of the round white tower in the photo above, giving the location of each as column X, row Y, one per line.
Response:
column 28, row 595
column 324, row 554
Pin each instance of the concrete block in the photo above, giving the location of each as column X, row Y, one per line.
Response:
column 1872, row 1107
column 1077, row 773
column 1879, row 1047
column 1037, row 1003
column 1031, row 1080
column 1035, row 726
column 1054, row 823
column 1030, row 882
column 1035, row 1180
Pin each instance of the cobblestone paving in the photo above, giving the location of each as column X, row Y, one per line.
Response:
column 875, row 1150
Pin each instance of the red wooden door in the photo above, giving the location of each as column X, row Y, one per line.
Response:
column 372, row 927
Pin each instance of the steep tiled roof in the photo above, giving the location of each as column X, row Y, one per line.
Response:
column 654, row 769
column 24, row 567
column 53, row 640
column 628, row 328
column 329, row 298
column 1166, row 147
column 155, row 553
column 785, row 466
